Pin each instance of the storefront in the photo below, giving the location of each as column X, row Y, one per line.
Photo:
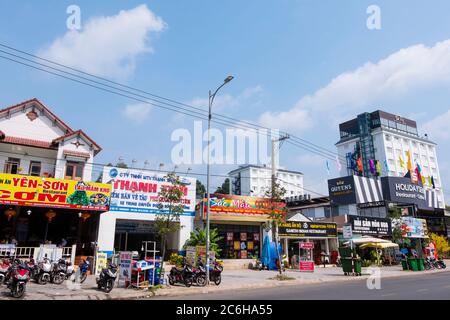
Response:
column 134, row 206
column 46, row 210
column 322, row 234
column 239, row 221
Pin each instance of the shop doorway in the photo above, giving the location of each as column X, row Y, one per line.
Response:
column 239, row 241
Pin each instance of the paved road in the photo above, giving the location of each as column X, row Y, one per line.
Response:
column 420, row 287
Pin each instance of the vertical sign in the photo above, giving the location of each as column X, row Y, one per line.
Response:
column 125, row 263
column 101, row 259
column 347, row 232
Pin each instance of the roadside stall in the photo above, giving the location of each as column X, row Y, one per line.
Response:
column 372, row 249
column 414, row 233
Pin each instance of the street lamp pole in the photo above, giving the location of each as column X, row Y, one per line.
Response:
column 211, row 100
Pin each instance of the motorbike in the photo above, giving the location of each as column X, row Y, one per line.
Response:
column 183, row 275
column 107, row 277
column 4, row 266
column 19, row 275
column 60, row 271
column 43, row 272
column 441, row 263
column 215, row 273
column 199, row 274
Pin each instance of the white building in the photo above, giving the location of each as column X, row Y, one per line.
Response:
column 251, row 180
column 386, row 137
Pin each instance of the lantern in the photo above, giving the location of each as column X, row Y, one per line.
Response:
column 50, row 215
column 85, row 216
column 10, row 213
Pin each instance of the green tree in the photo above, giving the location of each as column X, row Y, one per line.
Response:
column 442, row 245
column 225, row 188
column 167, row 221
column 395, row 215
column 200, row 189
column 198, row 238
column 277, row 214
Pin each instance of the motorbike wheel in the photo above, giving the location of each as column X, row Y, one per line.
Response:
column 171, row 281
column 57, row 279
column 188, row 282
column 201, row 280
column 2, row 279
column 42, row 280
column 109, row 285
column 18, row 290
column 217, row 279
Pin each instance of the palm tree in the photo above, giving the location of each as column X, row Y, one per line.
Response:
column 198, row 238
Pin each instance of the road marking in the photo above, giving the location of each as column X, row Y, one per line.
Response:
column 388, row 294
column 422, row 290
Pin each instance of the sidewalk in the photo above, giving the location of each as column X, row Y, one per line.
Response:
column 231, row 280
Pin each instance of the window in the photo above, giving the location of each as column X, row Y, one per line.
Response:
column 12, row 166
column 35, row 168
column 74, row 170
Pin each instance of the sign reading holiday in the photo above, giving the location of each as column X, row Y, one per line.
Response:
column 138, row 191
column 36, row 191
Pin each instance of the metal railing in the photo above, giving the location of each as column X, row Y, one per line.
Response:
column 27, row 253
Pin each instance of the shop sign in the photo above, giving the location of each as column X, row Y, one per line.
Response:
column 347, row 232
column 370, row 226
column 307, row 229
column 241, row 205
column 342, row 190
column 306, row 263
column 125, row 264
column 414, row 228
column 402, row 190
column 306, row 245
column 307, row 266
column 101, row 260
column 138, row 191
column 191, row 253
column 55, row 193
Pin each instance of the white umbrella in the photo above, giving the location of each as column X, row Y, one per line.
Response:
column 367, row 240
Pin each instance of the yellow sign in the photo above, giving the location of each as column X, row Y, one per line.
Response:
column 36, row 191
column 101, row 261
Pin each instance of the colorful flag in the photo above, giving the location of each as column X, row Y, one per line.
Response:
column 386, row 166
column 410, row 167
column 424, row 180
column 430, row 183
column 402, row 163
column 328, row 167
column 372, row 166
column 378, row 168
column 360, row 166
column 419, row 177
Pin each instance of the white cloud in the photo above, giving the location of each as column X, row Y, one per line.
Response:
column 437, row 128
column 398, row 74
column 107, row 46
column 137, row 112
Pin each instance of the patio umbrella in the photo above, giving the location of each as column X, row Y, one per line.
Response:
column 379, row 245
column 367, row 240
column 265, row 254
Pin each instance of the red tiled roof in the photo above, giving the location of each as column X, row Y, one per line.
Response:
column 29, row 142
column 40, row 104
column 77, row 154
column 81, row 133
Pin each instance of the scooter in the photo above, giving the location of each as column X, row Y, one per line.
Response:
column 107, row 278
column 215, row 273
column 44, row 270
column 441, row 263
column 4, row 266
column 199, row 274
column 19, row 275
column 83, row 267
column 59, row 272
column 184, row 275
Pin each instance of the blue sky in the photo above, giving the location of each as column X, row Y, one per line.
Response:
column 299, row 65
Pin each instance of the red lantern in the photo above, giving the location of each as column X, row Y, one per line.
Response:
column 85, row 216
column 10, row 213
column 50, row 215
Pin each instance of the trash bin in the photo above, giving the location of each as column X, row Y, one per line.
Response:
column 413, row 265
column 357, row 266
column 347, row 266
column 420, row 264
column 405, row 264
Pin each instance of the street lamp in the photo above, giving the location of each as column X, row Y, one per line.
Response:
column 211, row 100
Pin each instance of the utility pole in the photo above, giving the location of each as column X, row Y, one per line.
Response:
column 276, row 144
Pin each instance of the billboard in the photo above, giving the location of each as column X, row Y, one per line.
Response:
column 402, row 190
column 342, row 190
column 414, row 228
column 48, row 192
column 138, row 191
column 370, row 226
column 307, row 229
column 241, row 206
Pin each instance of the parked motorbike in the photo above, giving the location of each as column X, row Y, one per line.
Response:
column 4, row 266
column 428, row 264
column 215, row 273
column 60, row 271
column 441, row 263
column 199, row 274
column 107, row 278
column 183, row 275
column 44, row 270
column 83, row 268
column 19, row 275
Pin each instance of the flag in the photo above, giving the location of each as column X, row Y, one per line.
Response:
column 409, row 161
column 360, row 166
column 328, row 167
column 372, row 166
column 378, row 168
column 338, row 163
column 424, row 180
column 386, row 166
column 402, row 164
column 432, row 182
column 419, row 177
